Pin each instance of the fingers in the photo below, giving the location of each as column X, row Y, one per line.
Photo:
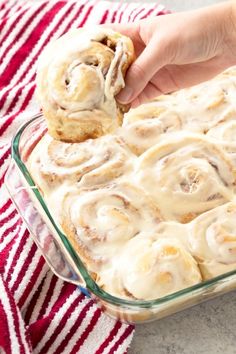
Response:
column 118, row 27
column 135, row 81
column 150, row 58
column 149, row 92
column 150, row 61
column 127, row 29
column 174, row 77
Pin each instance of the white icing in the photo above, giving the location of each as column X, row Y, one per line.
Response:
column 104, row 219
column 111, row 88
column 181, row 176
column 88, row 163
column 186, row 174
column 145, row 133
column 157, row 266
column 212, row 235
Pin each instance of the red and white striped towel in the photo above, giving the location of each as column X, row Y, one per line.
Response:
column 39, row 312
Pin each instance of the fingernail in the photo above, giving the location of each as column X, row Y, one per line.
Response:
column 125, row 95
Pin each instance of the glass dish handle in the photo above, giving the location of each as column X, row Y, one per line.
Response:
column 39, row 230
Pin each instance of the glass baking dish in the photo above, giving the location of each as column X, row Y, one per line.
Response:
column 66, row 263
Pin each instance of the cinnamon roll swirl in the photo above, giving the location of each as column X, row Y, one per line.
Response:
column 151, row 266
column 212, row 240
column 195, row 109
column 146, row 125
column 78, row 77
column 205, row 104
column 187, row 175
column 224, row 132
column 225, row 129
column 90, row 163
column 99, row 222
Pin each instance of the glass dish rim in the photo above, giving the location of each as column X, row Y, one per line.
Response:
column 91, row 285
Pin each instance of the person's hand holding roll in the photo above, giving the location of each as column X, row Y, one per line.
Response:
column 178, row 50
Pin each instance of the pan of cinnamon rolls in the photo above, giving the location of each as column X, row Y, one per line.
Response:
column 146, row 198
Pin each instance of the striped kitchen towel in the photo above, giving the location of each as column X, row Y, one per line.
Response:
column 40, row 313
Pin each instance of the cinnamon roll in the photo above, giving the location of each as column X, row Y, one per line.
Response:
column 225, row 129
column 225, row 133
column 99, row 222
column 78, row 77
column 90, row 163
column 204, row 105
column 187, row 175
column 212, row 240
column 151, row 266
column 195, row 109
column 146, row 125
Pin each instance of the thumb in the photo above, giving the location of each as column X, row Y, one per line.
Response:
column 142, row 70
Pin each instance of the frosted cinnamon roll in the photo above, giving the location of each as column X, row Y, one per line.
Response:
column 225, row 133
column 230, row 72
column 195, row 109
column 90, row 163
column 150, row 110
column 225, row 129
column 212, row 240
column 151, row 266
column 204, row 105
column 78, row 77
column 99, row 222
column 146, row 125
column 187, row 175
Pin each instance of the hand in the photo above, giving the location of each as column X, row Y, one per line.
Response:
column 178, row 50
